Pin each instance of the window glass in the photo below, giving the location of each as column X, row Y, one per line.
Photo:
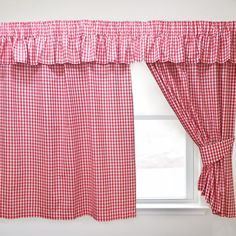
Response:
column 148, row 98
column 160, row 159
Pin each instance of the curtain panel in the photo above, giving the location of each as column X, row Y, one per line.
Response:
column 66, row 111
column 203, row 98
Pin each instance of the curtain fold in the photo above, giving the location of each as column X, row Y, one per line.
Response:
column 203, row 98
column 66, row 111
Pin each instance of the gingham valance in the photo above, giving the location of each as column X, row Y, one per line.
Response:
column 59, row 42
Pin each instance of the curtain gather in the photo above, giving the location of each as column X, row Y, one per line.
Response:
column 66, row 112
column 59, row 42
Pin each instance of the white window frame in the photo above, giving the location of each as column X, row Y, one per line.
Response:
column 193, row 203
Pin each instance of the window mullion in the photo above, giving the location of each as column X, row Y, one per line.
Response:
column 155, row 117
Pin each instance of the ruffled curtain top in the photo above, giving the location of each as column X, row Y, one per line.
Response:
column 59, row 42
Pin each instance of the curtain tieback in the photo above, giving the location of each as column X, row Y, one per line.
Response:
column 214, row 152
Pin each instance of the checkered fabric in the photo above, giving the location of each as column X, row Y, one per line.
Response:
column 59, row 42
column 67, row 141
column 203, row 98
column 216, row 151
column 66, row 134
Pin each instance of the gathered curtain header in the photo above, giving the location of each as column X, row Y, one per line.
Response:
column 59, row 42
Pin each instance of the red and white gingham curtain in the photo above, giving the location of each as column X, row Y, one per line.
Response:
column 66, row 112
column 203, row 98
column 66, row 141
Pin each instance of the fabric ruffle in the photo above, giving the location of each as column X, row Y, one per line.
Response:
column 59, row 42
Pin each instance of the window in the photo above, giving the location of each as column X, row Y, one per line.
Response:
column 164, row 151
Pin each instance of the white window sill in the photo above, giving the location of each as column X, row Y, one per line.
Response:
column 171, row 209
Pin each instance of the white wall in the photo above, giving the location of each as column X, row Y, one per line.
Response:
column 149, row 225
column 32, row 10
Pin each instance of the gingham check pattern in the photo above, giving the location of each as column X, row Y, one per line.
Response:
column 216, row 151
column 203, row 98
column 66, row 141
column 59, row 42
column 66, row 135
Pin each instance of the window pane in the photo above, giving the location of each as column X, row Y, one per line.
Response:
column 160, row 159
column 148, row 98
